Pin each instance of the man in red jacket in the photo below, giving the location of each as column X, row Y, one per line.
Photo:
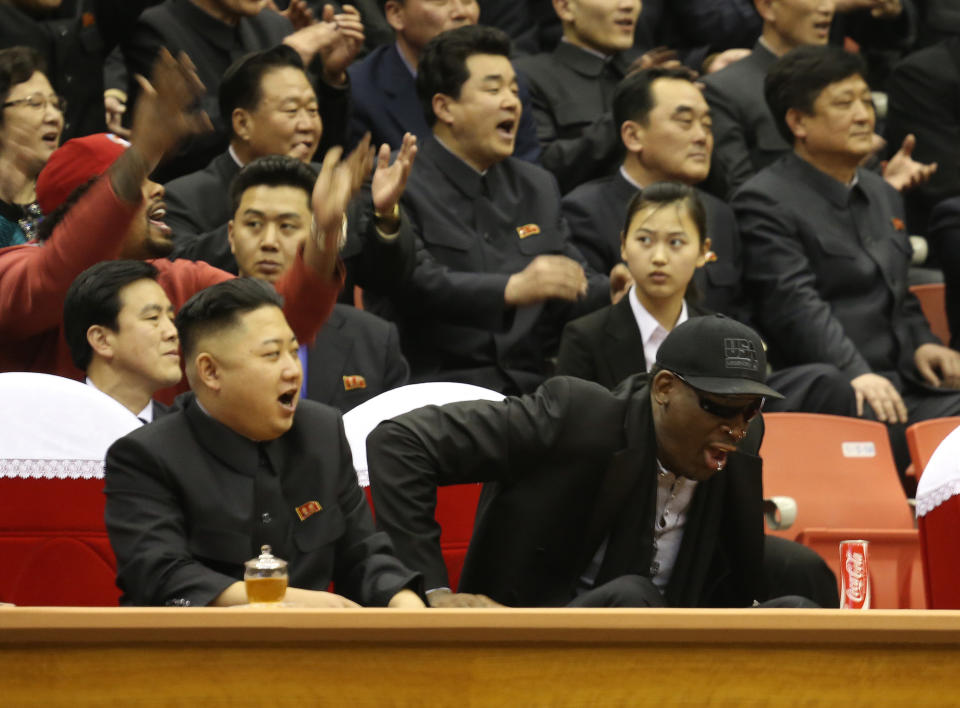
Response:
column 119, row 214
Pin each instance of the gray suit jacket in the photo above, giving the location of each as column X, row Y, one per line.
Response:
column 745, row 137
column 827, row 266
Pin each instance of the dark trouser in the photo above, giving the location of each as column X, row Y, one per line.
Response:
column 812, row 388
column 638, row 591
column 794, row 570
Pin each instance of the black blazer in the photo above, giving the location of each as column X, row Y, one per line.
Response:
column 595, row 212
column 827, row 266
column 385, row 103
column 183, row 510
column 924, row 99
column 572, row 94
column 567, row 467
column 355, row 357
column 179, row 25
column 201, row 201
column 605, row 346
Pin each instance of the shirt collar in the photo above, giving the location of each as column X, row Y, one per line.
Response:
column 646, row 322
column 146, row 415
column 600, row 55
column 403, row 58
column 236, row 158
column 630, row 180
column 832, row 189
column 462, row 175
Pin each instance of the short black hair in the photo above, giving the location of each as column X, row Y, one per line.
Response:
column 17, row 64
column 272, row 171
column 633, row 97
column 798, row 77
column 664, row 193
column 218, row 307
column 443, row 66
column 661, row 194
column 94, row 299
column 242, row 84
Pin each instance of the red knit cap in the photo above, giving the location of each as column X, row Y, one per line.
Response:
column 75, row 162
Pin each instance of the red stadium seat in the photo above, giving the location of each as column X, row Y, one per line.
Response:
column 924, row 437
column 54, row 434
column 841, row 473
column 938, row 518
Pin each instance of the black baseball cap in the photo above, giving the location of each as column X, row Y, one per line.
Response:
column 718, row 355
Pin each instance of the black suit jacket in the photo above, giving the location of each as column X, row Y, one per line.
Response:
column 924, row 99
column 355, row 357
column 595, row 212
column 473, row 233
column 566, row 468
column 827, row 267
column 385, row 103
column 605, row 346
column 179, row 25
column 572, row 94
column 184, row 510
column 74, row 49
column 201, row 201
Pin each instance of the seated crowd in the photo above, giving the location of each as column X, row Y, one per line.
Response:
column 640, row 247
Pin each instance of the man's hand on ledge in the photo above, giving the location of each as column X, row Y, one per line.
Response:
column 406, row 600
column 445, row 598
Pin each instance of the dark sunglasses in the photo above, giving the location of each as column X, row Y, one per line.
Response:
column 748, row 411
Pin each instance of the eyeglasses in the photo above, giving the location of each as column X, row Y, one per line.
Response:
column 748, row 411
column 39, row 101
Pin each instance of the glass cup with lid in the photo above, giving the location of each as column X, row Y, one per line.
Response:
column 265, row 578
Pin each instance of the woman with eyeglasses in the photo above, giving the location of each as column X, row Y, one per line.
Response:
column 663, row 242
column 31, row 119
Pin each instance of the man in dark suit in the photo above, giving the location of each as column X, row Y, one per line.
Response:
column 118, row 323
column 924, row 101
column 664, row 125
column 747, row 139
column 646, row 496
column 242, row 465
column 495, row 277
column 826, row 251
column 74, row 49
column 273, row 111
column 944, row 230
column 356, row 355
column 215, row 34
column 383, row 85
column 572, row 88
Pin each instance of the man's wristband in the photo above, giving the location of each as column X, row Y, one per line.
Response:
column 392, row 215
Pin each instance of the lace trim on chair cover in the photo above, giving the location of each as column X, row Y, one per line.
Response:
column 937, row 496
column 51, row 469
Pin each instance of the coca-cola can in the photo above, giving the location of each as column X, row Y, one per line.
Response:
column 854, row 575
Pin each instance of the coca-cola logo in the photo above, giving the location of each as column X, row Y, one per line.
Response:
column 855, row 566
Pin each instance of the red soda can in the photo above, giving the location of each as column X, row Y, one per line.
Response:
column 854, row 575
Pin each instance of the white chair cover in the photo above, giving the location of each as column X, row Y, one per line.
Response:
column 941, row 478
column 52, row 427
column 359, row 421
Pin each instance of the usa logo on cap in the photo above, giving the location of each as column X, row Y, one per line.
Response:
column 739, row 354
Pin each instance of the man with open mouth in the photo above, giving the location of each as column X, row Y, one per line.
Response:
column 646, row 496
column 242, row 464
column 495, row 276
